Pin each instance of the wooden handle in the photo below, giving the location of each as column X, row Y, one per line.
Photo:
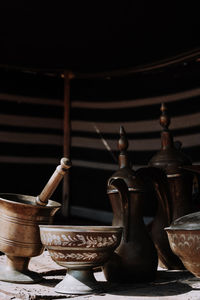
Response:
column 53, row 182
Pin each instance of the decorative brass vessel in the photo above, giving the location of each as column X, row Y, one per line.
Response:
column 19, row 234
column 135, row 260
column 20, row 216
column 80, row 249
column 179, row 172
column 184, row 239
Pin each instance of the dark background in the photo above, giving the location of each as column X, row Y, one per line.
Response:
column 95, row 35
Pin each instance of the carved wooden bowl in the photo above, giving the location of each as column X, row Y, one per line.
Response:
column 184, row 239
column 80, row 249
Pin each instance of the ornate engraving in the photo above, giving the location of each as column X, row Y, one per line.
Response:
column 78, row 240
column 184, row 241
column 75, row 256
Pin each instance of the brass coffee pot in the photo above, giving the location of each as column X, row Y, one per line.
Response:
column 179, row 171
column 135, row 259
column 20, row 216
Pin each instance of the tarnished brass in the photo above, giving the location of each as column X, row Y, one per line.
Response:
column 179, row 183
column 20, row 216
column 135, row 260
column 19, row 234
column 184, row 239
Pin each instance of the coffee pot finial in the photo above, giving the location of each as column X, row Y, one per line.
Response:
column 123, row 141
column 165, row 119
column 123, row 146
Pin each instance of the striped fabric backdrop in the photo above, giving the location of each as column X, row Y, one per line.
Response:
column 31, row 128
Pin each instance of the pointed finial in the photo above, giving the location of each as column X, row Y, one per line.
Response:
column 123, row 141
column 164, row 118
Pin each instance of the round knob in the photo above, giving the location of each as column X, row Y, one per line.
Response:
column 164, row 118
column 123, row 141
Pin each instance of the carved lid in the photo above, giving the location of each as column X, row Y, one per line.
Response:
column 125, row 171
column 170, row 157
column 187, row 222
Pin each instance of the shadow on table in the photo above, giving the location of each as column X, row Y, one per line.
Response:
column 171, row 275
column 167, row 283
column 54, row 272
column 164, row 289
column 52, row 278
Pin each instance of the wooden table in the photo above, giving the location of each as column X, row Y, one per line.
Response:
column 169, row 285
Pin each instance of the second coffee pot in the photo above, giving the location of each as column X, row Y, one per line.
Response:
column 179, row 172
column 136, row 257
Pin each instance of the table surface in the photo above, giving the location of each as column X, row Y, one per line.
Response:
column 169, row 285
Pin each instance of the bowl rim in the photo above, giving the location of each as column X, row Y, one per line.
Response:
column 82, row 228
column 176, row 228
column 51, row 203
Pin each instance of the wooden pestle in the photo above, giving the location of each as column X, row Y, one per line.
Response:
column 53, row 182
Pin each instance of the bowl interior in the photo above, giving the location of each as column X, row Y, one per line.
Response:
column 21, row 199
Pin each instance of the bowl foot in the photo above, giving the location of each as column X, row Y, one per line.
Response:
column 16, row 271
column 78, row 282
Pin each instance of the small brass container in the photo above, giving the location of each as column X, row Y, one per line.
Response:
column 19, row 234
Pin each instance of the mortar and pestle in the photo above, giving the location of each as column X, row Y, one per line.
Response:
column 20, row 216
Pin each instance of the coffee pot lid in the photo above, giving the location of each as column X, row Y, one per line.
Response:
column 170, row 157
column 187, row 222
column 125, row 171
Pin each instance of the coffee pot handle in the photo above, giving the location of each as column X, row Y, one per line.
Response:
column 53, row 182
column 159, row 180
column 122, row 188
